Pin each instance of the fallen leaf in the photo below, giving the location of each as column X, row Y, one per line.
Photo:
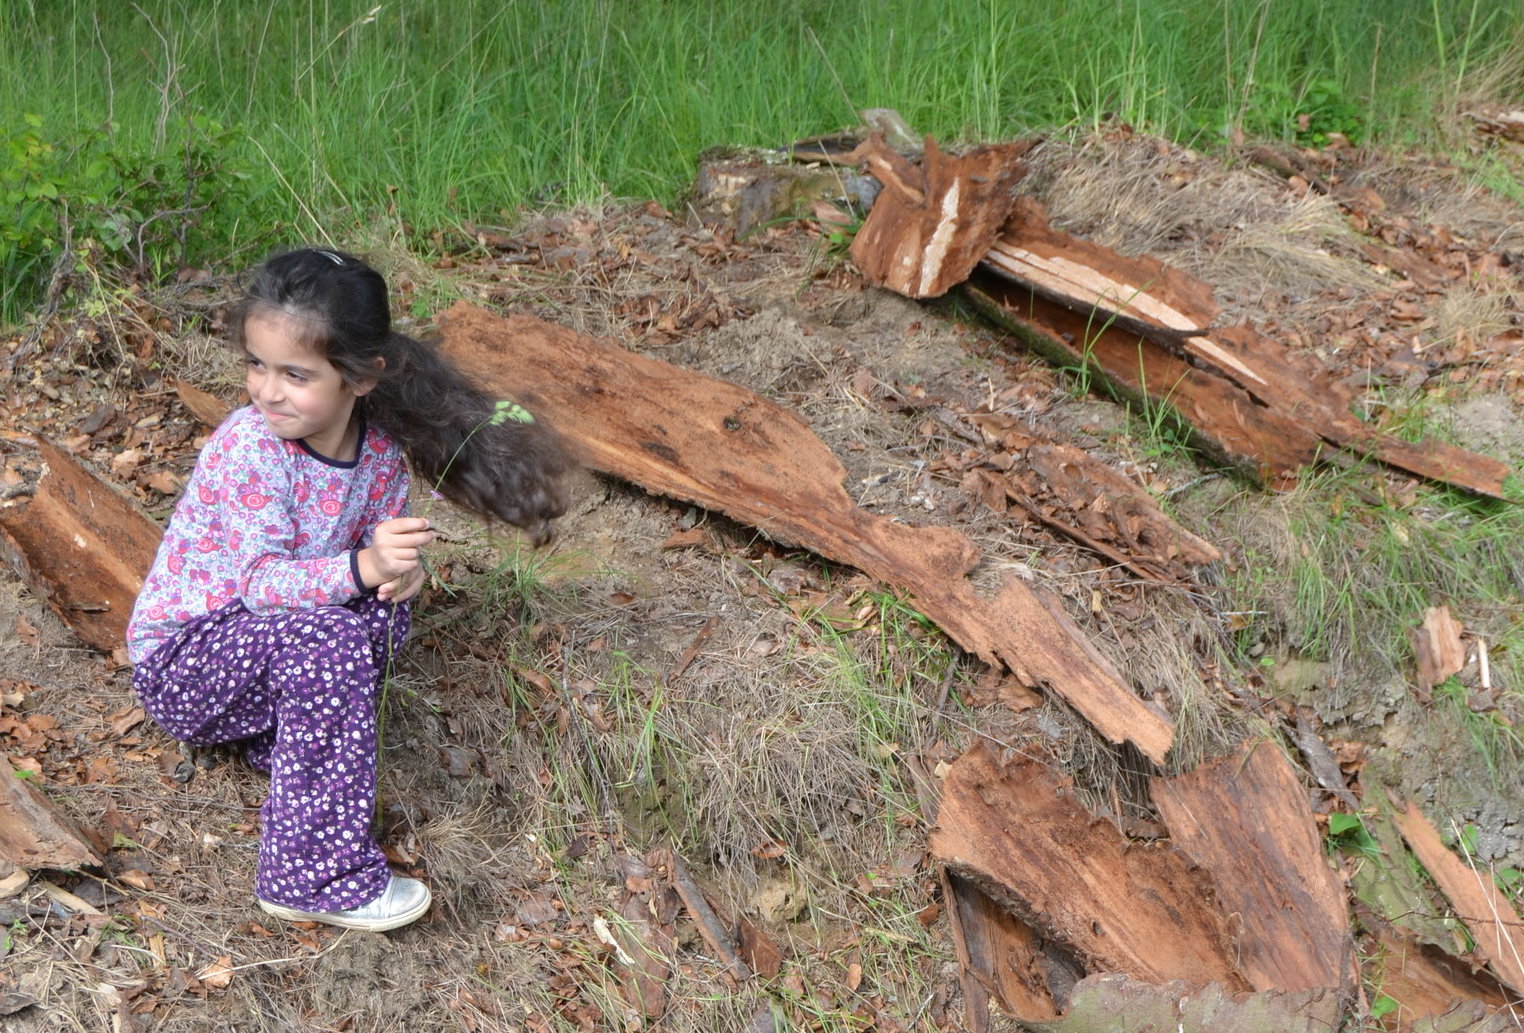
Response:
column 1437, row 647
column 123, row 721
column 164, row 482
column 137, row 879
column 219, row 973
column 124, row 463
column 207, row 408
column 27, row 631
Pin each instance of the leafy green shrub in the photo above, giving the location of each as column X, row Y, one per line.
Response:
column 1309, row 115
column 145, row 210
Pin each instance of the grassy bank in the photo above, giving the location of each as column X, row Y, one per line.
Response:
column 178, row 132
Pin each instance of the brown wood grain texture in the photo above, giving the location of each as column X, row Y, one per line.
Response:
column 1488, row 915
column 1141, row 297
column 933, row 223
column 1425, row 982
column 33, row 833
column 705, row 441
column 1245, row 820
column 1015, row 831
column 81, row 547
column 1227, row 422
column 1000, row 957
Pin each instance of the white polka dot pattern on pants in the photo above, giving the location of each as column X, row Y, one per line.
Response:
column 297, row 690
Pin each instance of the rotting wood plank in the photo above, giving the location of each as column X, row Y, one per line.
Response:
column 1141, row 294
column 81, row 547
column 1244, row 820
column 1223, row 420
column 1489, row 917
column 720, row 446
column 1144, row 297
column 1425, row 982
column 1317, row 405
column 1014, row 830
column 999, row 957
column 33, row 834
column 933, row 222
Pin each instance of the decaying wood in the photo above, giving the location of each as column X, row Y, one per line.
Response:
column 1438, row 648
column 1222, row 419
column 1003, row 958
column 1426, row 983
column 1244, row 820
column 709, row 925
column 1107, row 512
column 1015, row 831
column 933, row 222
column 1140, row 297
column 741, row 192
column 712, row 443
column 1139, row 294
column 1043, row 894
column 81, row 547
column 33, row 834
column 1489, row 916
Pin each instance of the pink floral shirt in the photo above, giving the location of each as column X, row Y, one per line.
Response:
column 270, row 523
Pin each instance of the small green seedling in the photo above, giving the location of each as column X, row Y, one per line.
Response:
column 1347, row 833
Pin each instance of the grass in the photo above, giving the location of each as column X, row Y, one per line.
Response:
column 224, row 128
column 1350, row 566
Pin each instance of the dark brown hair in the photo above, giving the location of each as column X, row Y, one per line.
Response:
column 456, row 435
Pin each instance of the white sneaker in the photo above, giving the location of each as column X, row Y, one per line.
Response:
column 404, row 900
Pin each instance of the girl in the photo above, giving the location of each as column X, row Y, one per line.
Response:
column 282, row 586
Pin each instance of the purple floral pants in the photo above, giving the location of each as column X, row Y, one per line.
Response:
column 297, row 689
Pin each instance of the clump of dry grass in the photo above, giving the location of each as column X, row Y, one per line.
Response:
column 1302, row 249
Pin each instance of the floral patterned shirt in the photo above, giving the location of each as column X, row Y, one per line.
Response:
column 268, row 522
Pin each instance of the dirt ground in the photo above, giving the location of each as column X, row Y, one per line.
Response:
column 662, row 678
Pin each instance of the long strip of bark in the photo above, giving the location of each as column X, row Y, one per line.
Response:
column 709, row 442
column 1487, row 914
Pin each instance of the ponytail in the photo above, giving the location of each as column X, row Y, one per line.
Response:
column 497, row 462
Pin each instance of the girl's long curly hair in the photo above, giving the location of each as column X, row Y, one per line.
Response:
column 453, row 433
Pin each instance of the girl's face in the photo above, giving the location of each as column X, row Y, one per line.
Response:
column 298, row 392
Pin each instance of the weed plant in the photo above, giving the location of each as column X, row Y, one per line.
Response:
column 180, row 131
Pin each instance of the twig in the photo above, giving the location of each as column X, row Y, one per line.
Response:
column 703, row 916
column 692, row 651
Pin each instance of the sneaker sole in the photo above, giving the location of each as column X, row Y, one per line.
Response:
column 339, row 919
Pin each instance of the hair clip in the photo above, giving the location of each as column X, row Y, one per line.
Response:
column 331, row 256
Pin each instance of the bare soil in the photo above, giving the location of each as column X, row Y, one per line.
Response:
column 661, row 677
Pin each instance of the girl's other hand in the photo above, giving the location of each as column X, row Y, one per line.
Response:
column 401, row 589
column 394, row 550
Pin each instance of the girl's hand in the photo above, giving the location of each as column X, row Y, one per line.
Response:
column 401, row 589
column 394, row 550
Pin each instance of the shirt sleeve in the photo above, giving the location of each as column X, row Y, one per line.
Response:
column 263, row 533
column 386, row 499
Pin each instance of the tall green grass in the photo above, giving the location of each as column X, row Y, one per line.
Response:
column 300, row 120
